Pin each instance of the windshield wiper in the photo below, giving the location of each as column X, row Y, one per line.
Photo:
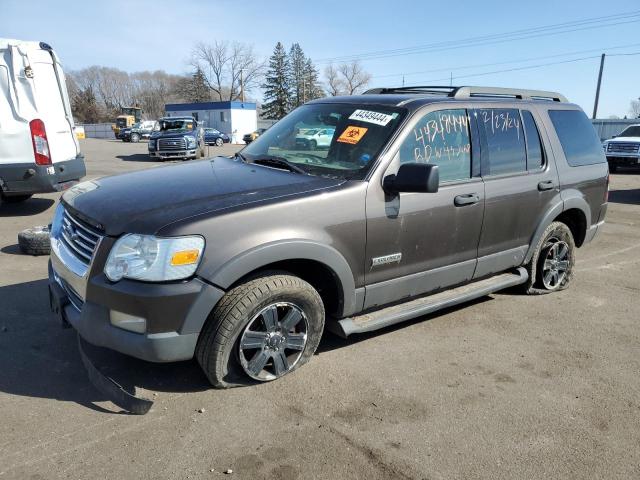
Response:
column 270, row 160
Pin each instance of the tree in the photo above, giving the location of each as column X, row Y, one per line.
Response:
column 354, row 77
column 229, row 69
column 297, row 64
column 634, row 108
column 277, row 92
column 335, row 85
column 85, row 107
column 194, row 88
column 313, row 89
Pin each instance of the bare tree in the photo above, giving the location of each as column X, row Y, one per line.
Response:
column 228, row 68
column 634, row 108
column 354, row 77
column 335, row 85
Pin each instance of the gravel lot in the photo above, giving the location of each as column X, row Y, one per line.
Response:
column 506, row 387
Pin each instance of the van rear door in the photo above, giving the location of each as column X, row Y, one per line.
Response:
column 53, row 107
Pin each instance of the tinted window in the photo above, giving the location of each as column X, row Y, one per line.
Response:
column 577, row 136
column 441, row 138
column 535, row 158
column 502, row 140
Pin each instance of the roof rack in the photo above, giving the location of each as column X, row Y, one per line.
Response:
column 468, row 92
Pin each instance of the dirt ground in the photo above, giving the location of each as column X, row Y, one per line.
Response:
column 508, row 387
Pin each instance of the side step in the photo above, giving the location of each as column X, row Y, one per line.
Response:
column 421, row 306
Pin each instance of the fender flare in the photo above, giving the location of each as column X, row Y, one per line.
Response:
column 575, row 201
column 258, row 257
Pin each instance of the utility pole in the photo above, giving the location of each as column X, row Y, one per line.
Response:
column 403, row 80
column 451, row 79
column 242, row 85
column 595, row 105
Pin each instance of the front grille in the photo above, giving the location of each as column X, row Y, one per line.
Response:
column 74, row 299
column 81, row 239
column 172, row 144
column 620, row 147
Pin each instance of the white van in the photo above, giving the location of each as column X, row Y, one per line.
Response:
column 38, row 149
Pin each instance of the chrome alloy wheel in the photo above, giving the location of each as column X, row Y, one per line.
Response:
column 556, row 263
column 273, row 341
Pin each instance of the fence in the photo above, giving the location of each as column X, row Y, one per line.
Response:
column 607, row 128
column 97, row 130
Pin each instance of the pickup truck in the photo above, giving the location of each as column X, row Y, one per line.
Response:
column 178, row 137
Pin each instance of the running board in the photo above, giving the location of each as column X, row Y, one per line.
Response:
column 421, row 306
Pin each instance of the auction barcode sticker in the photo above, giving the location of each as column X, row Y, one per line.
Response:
column 372, row 117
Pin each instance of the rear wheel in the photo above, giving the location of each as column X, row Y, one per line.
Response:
column 261, row 330
column 219, row 142
column 313, row 145
column 551, row 267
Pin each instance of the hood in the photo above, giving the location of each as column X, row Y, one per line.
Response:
column 147, row 200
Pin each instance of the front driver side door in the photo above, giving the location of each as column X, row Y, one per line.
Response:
column 420, row 242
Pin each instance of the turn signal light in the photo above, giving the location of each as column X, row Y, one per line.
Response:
column 185, row 257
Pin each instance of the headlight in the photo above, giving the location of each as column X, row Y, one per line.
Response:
column 191, row 142
column 152, row 144
column 153, row 259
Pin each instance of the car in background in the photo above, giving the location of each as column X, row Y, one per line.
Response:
column 215, row 137
column 312, row 138
column 138, row 131
column 623, row 150
column 250, row 137
column 39, row 151
column 177, row 137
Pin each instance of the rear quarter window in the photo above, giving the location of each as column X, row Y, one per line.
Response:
column 578, row 138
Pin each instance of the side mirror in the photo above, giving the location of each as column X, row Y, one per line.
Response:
column 413, row 177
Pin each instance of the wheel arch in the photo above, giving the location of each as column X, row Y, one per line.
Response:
column 320, row 265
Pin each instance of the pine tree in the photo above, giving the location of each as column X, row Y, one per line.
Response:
column 199, row 88
column 297, row 63
column 277, row 94
column 312, row 87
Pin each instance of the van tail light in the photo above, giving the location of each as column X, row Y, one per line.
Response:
column 606, row 192
column 40, row 143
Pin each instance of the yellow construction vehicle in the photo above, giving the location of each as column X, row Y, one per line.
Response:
column 128, row 116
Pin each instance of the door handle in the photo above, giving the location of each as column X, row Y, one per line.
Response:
column 546, row 185
column 469, row 199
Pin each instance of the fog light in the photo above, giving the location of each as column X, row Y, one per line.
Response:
column 128, row 322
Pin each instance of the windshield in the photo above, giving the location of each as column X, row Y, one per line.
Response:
column 633, row 131
column 121, row 122
column 176, row 125
column 351, row 140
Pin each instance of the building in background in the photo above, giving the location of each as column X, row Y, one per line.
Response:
column 233, row 118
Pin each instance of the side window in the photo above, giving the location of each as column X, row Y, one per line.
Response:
column 577, row 136
column 502, row 140
column 535, row 157
column 441, row 138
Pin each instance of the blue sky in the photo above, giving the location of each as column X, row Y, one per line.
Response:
column 149, row 35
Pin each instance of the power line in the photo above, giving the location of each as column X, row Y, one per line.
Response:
column 449, row 69
column 556, row 29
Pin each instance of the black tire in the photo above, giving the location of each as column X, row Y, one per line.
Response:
column 219, row 142
column 313, row 145
column 218, row 350
column 135, row 138
column 556, row 232
column 35, row 241
column 16, row 198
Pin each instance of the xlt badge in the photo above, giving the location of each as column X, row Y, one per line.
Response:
column 392, row 258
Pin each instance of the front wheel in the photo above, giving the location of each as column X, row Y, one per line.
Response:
column 261, row 330
column 135, row 138
column 551, row 267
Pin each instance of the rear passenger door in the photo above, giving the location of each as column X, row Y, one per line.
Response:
column 521, row 184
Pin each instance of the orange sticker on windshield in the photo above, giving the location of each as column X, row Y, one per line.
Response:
column 352, row 135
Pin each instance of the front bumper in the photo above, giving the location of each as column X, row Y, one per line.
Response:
column 174, row 312
column 173, row 153
column 29, row 178
column 622, row 161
